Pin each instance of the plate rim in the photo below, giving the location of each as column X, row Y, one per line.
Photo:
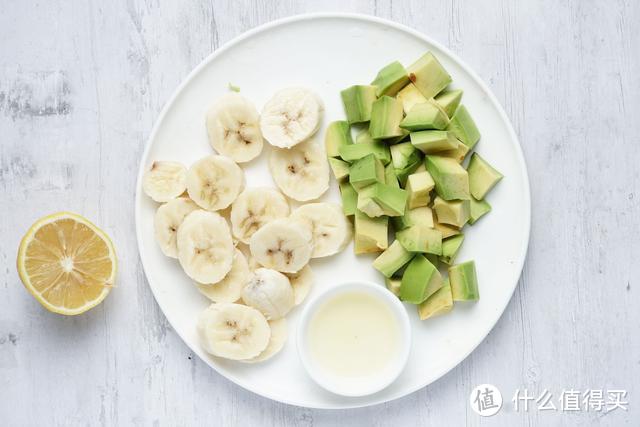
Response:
column 369, row 19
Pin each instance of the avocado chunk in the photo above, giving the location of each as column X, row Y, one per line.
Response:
column 434, row 141
column 478, row 208
column 390, row 79
column 441, row 302
column 370, row 234
column 419, row 186
column 452, row 180
column 366, row 171
column 428, row 115
column 449, row 100
column 452, row 212
column 364, row 136
column 353, row 152
column 390, row 177
column 381, row 199
column 482, row 176
column 409, row 96
column 420, row 280
column 338, row 135
column 386, row 115
column 417, row 216
column 445, row 229
column 464, row 128
column 428, row 75
column 403, row 154
column 357, row 102
column 349, row 198
column 392, row 259
column 396, row 139
column 340, row 168
column 419, row 238
column 458, row 154
column 464, row 282
column 450, row 248
column 393, row 284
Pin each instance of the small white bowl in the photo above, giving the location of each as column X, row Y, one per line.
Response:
column 374, row 383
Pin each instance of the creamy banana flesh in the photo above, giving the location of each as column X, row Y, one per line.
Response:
column 354, row 335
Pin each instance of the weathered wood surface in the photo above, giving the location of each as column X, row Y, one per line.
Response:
column 81, row 84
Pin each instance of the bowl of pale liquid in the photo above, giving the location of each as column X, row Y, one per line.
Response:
column 354, row 339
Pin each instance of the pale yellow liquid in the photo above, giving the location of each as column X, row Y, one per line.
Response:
column 354, row 335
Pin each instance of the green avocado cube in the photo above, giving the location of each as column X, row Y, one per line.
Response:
column 420, row 280
column 403, row 155
column 418, row 238
column 390, row 177
column 449, row 100
column 386, row 116
column 458, row 154
column 392, row 259
column 381, row 199
column 445, row 229
column 371, row 234
column 349, row 198
column 478, row 208
column 441, row 302
column 397, row 139
column 409, row 96
column 419, row 186
column 357, row 102
column 366, row 171
column 353, row 152
column 452, row 180
column 392, row 200
column 464, row 128
column 338, row 135
column 428, row 115
column 464, row 282
column 366, row 204
column 421, row 216
column 452, row 212
column 393, row 284
column 482, row 176
column 390, row 79
column 428, row 75
column 364, row 137
column 340, row 168
column 433, row 141
column 450, row 248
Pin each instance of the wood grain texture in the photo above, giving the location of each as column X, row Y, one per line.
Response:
column 81, row 84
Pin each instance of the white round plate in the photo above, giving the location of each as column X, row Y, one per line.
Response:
column 327, row 53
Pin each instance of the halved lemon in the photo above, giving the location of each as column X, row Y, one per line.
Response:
column 67, row 263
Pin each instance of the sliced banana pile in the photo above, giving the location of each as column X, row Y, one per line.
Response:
column 244, row 248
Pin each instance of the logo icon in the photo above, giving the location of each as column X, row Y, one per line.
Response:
column 485, row 400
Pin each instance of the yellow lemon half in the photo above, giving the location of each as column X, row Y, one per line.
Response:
column 67, row 263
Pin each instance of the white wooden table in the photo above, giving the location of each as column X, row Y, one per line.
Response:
column 81, row 84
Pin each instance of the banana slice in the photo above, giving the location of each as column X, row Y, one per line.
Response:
column 301, row 172
column 291, row 116
column 282, row 245
column 168, row 218
column 233, row 125
column 214, row 182
column 230, row 288
column 233, row 331
column 301, row 283
column 270, row 292
column 329, row 227
column 279, row 335
column 255, row 207
column 165, row 181
column 205, row 248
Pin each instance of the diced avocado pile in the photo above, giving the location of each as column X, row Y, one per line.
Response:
column 403, row 176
